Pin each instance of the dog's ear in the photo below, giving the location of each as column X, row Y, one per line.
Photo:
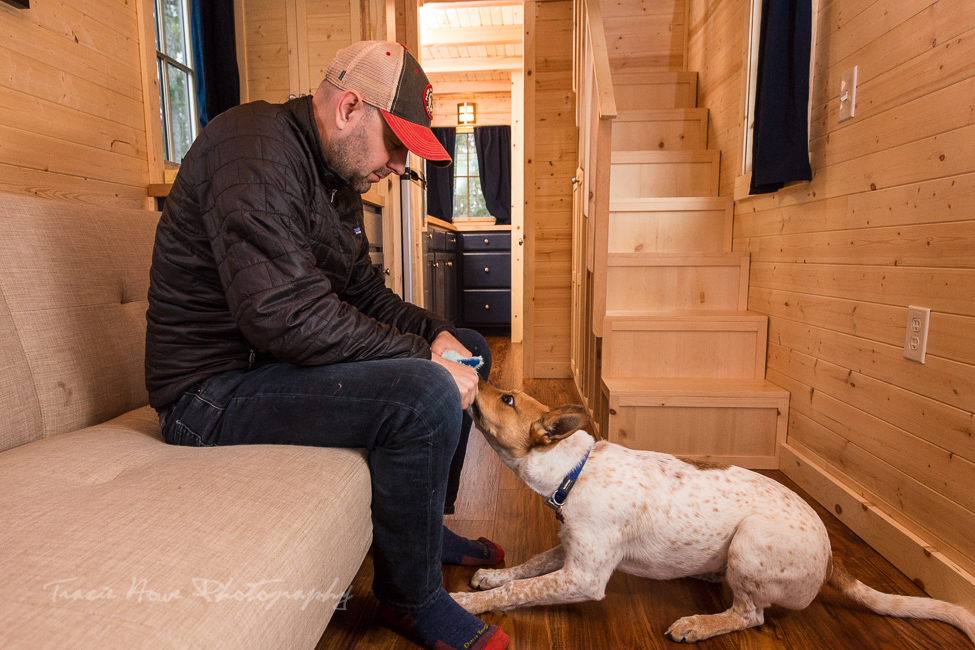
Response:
column 557, row 424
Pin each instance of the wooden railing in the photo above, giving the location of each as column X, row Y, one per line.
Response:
column 595, row 112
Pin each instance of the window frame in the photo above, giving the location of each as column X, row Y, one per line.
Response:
column 467, row 132
column 749, row 86
column 162, row 62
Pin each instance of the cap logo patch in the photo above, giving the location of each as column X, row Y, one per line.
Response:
column 428, row 100
column 342, row 75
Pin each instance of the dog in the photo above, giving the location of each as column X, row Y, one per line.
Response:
column 662, row 517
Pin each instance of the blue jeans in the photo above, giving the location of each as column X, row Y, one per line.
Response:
column 405, row 412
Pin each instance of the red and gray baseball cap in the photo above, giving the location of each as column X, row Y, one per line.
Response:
column 390, row 78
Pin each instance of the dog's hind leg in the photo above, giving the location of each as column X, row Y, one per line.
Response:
column 770, row 561
column 583, row 577
column 742, row 614
column 540, row 564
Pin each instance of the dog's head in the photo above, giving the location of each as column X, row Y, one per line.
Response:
column 515, row 423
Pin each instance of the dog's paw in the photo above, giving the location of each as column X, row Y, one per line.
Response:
column 489, row 578
column 469, row 601
column 685, row 630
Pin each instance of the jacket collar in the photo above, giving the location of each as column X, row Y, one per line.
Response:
column 303, row 111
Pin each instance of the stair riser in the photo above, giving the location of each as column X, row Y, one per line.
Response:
column 685, row 353
column 663, row 135
column 655, row 95
column 669, row 232
column 744, row 436
column 662, row 288
column 663, row 179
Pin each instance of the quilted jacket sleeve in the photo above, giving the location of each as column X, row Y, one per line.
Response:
column 367, row 291
column 282, row 303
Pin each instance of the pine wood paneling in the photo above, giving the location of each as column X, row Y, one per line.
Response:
column 887, row 221
column 551, row 154
column 71, row 103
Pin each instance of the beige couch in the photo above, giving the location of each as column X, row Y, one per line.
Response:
column 109, row 537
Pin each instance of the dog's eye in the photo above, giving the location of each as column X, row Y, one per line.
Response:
column 508, row 399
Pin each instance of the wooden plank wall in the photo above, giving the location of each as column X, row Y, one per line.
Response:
column 72, row 124
column 551, row 152
column 887, row 221
column 493, row 108
column 645, row 33
column 716, row 38
column 266, row 46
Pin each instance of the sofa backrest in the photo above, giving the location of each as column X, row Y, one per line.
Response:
column 73, row 286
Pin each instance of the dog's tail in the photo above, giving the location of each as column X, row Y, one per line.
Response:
column 901, row 606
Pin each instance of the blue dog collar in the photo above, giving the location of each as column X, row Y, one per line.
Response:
column 557, row 500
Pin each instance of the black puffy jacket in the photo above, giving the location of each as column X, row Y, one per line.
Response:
column 261, row 256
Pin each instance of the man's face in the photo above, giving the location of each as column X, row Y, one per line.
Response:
column 369, row 153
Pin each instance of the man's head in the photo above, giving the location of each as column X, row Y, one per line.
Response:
column 375, row 104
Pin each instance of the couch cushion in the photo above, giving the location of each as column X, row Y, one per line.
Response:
column 20, row 412
column 107, row 523
column 75, row 279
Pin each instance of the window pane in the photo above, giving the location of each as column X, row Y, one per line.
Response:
column 174, row 21
column 180, row 108
column 162, row 111
column 460, row 197
column 472, row 148
column 460, row 156
column 477, row 204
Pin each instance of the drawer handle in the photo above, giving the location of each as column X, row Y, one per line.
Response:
column 386, row 271
column 487, row 241
column 487, row 307
column 450, row 263
column 487, row 270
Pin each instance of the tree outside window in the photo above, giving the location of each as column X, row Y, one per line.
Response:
column 468, row 198
column 174, row 65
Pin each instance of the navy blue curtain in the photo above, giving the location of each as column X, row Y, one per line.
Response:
column 440, row 180
column 215, row 55
column 493, row 144
column 780, row 149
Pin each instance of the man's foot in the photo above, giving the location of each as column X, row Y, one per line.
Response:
column 445, row 625
column 470, row 552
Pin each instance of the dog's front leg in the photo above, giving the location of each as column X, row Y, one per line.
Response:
column 581, row 578
column 540, row 564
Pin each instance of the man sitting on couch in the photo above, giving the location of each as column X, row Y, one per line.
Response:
column 267, row 323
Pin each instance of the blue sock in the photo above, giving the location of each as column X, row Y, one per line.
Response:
column 445, row 625
column 470, row 552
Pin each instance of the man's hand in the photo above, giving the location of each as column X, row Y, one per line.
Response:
column 464, row 376
column 446, row 341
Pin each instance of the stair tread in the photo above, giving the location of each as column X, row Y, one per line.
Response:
column 669, row 203
column 656, row 156
column 691, row 387
column 685, row 314
column 654, row 114
column 637, row 76
column 676, row 259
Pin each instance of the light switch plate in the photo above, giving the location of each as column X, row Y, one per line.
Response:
column 848, row 94
column 916, row 339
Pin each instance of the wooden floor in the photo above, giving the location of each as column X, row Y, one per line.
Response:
column 636, row 611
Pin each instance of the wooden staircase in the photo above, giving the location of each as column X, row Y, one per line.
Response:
column 665, row 353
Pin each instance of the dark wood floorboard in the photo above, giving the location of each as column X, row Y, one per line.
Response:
column 636, row 611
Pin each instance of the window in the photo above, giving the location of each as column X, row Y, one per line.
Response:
column 468, row 198
column 177, row 85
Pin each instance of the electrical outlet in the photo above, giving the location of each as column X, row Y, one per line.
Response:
column 848, row 94
column 916, row 339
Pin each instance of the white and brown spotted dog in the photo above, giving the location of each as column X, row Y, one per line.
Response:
column 655, row 515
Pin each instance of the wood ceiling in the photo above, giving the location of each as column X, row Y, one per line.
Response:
column 471, row 46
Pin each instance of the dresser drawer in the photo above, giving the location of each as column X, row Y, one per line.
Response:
column 487, row 306
column 485, row 241
column 487, row 270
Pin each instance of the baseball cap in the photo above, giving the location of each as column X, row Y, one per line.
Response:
column 390, row 78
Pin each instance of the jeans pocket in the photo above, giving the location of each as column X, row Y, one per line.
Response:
column 182, row 435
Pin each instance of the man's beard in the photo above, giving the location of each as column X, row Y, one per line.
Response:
column 346, row 157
